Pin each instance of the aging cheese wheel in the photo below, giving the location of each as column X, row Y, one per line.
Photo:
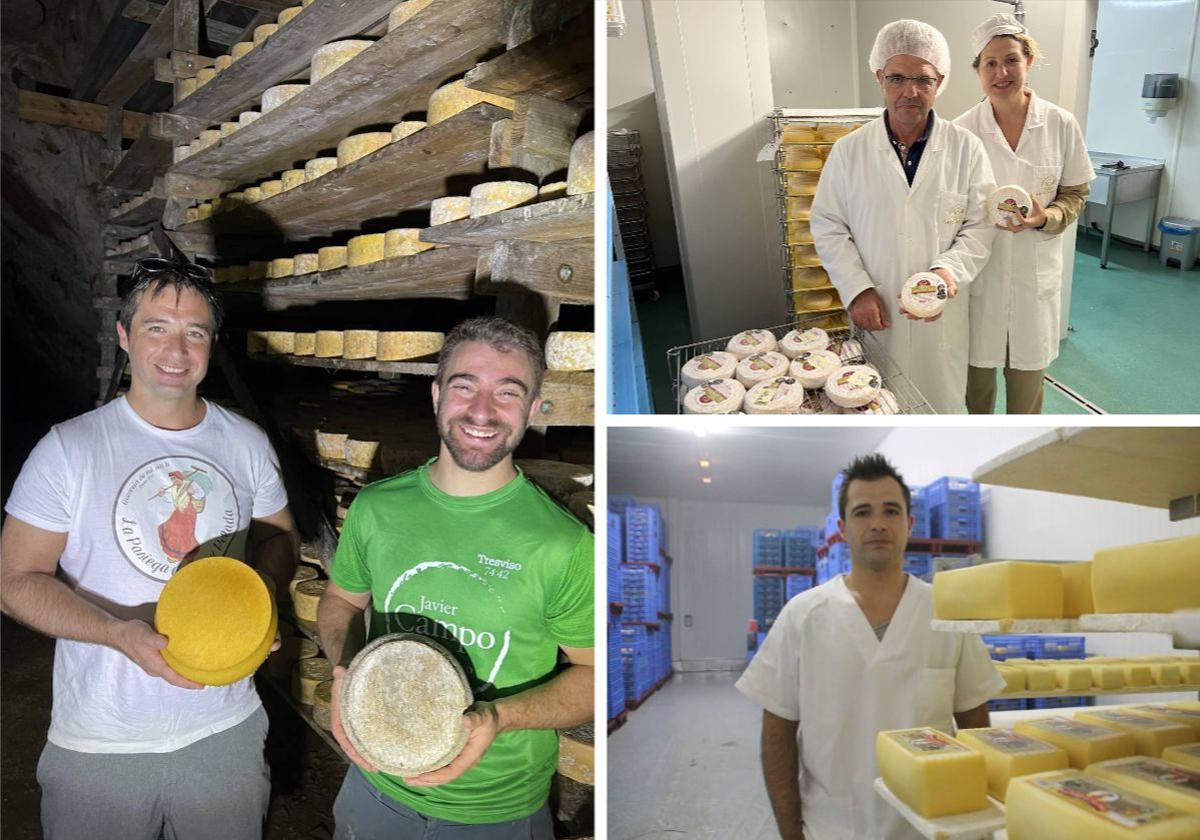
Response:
column 240, row 49
column 500, row 195
column 359, row 344
column 273, row 97
column 252, row 195
column 331, row 257
column 322, row 695
column 759, row 366
column 305, row 597
column 816, row 301
column 187, row 87
column 305, row 264
column 572, row 351
column 219, row 618
column 403, row 129
column 301, row 574
column 809, row 278
column 208, row 137
column 364, row 249
column 361, row 453
column 317, row 167
column 223, row 62
column 262, row 33
column 924, row 294
column 750, row 342
column 306, row 344
column 332, row 56
column 205, row 75
column 449, row 208
column 814, row 367
column 279, row 342
column 853, row 385
column 800, row 134
column 292, row 178
column 282, row 267
column 719, row 396
column 402, row 703
column 271, row 187
column 404, row 242
column 456, row 97
column 228, row 128
column 288, row 13
column 247, row 117
column 329, row 344
column 292, row 649
column 307, row 675
column 400, row 346
column 801, row 341
column 356, row 146
column 781, row 395
column 707, row 367
column 803, row 156
column 403, row 11
column 581, row 165
column 1008, row 204
column 555, row 189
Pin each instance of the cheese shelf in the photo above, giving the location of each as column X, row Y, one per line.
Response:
column 556, row 64
column 404, row 175
column 977, row 825
column 147, row 210
column 140, row 164
column 305, row 712
column 1110, row 623
column 379, row 86
column 1140, row 689
column 365, row 365
column 547, row 221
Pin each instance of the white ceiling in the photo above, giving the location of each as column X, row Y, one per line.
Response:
column 764, row 465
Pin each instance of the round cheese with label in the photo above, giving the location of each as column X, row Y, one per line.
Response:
column 402, row 702
column 720, row 396
column 850, row 351
column 813, row 367
column 853, row 385
column 801, row 341
column 750, row 342
column 759, row 366
column 924, row 294
column 1008, row 204
column 707, row 367
column 781, row 395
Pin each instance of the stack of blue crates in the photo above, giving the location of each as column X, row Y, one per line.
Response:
column 797, row 584
column 919, row 509
column 637, row 661
column 614, row 557
column 839, row 559
column 768, row 599
column 639, row 593
column 768, row 547
column 616, row 675
column 955, row 509
column 643, row 534
column 799, row 548
column 1016, row 646
column 919, row 563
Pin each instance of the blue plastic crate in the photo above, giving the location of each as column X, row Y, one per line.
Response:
column 798, row 548
column 637, row 661
column 1056, row 647
column 1055, row 702
column 1005, row 705
column 919, row 564
column 951, row 489
column 947, row 526
column 796, row 584
column 638, row 593
column 1007, row 646
column 831, row 525
column 768, row 547
column 613, row 566
column 616, row 675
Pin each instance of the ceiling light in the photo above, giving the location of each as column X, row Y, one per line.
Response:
column 705, row 463
column 704, row 479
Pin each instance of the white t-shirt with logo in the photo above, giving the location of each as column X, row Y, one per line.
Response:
column 134, row 500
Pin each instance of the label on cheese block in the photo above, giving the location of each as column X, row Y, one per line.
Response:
column 1184, row 717
column 1068, row 803
column 1084, row 743
column 720, row 396
column 1009, row 754
column 932, row 773
column 707, row 367
column 750, row 342
column 781, row 395
column 814, row 367
column 1150, row 735
column 1167, row 783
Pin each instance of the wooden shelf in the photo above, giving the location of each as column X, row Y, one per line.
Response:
column 439, row 273
column 146, row 210
column 147, row 158
column 556, row 64
column 547, row 221
column 405, row 175
column 1141, row 689
column 568, row 399
column 378, row 86
column 1096, row 623
column 283, row 56
column 1143, row 466
column 368, row 365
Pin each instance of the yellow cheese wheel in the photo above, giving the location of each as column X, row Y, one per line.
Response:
column 223, row 62
column 288, row 13
column 240, row 49
column 262, row 33
column 271, row 187
column 809, row 278
column 361, row 453
column 207, row 138
column 186, row 88
column 252, row 195
column 576, row 760
column 247, row 117
column 305, row 596
column 317, row 167
column 404, row 11
column 280, row 342
column 449, row 208
column 322, row 695
column 553, row 190
column 499, row 195
column 332, row 56
column 356, row 146
column 404, row 242
column 219, row 618
column 456, row 97
column 359, row 344
column 401, row 346
column 281, row 267
column 581, row 165
column 403, row 129
column 816, row 300
column 329, row 344
column 307, row 675
column 306, row 344
column 365, row 249
column 331, row 257
column 292, row 178
column 571, row 351
column 273, row 97
column 205, row 75
column 301, row 574
column 228, row 128
column 204, row 211
column 305, row 264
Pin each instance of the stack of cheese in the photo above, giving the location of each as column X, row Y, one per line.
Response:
column 383, row 346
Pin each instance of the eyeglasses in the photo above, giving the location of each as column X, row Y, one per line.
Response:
column 149, row 266
column 895, row 80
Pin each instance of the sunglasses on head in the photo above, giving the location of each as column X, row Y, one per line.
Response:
column 159, row 265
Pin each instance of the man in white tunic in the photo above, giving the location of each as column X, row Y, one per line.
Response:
column 901, row 195
column 852, row 657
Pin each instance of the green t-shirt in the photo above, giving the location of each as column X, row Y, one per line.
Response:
column 502, row 580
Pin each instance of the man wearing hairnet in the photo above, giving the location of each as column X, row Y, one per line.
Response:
column 905, row 194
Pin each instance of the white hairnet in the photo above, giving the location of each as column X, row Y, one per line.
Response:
column 998, row 24
column 912, row 37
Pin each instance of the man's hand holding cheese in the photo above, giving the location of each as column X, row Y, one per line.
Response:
column 905, row 194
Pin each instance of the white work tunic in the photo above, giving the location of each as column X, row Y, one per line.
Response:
column 823, row 666
column 1016, row 301
column 872, row 230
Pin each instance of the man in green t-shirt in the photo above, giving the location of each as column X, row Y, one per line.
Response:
column 467, row 550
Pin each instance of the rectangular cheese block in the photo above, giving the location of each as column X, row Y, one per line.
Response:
column 1009, row 754
column 1005, row 589
column 1170, row 784
column 1014, row 678
column 1184, row 717
column 329, row 344
column 331, row 445
column 1070, row 805
column 1189, row 670
column 1137, row 673
column 1071, row 676
column 1107, row 675
column 931, row 772
column 1085, row 743
column 1185, row 755
column 361, row 453
column 1150, row 735
column 1155, row 577
column 1166, row 673
column 1039, row 678
column 1077, row 589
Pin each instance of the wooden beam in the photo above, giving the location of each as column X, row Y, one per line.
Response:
column 558, row 64
column 85, row 116
column 542, row 132
column 180, row 65
column 564, row 270
column 138, row 67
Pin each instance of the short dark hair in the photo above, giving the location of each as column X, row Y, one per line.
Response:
column 870, row 468
column 157, row 282
column 504, row 336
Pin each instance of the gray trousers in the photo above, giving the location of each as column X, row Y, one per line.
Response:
column 362, row 812
column 218, row 788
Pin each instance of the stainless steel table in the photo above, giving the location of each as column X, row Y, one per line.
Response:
column 1138, row 181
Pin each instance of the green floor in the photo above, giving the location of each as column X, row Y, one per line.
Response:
column 1133, row 347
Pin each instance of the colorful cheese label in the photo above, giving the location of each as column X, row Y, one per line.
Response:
column 707, row 362
column 856, row 378
column 1103, row 800
column 776, row 391
column 925, row 741
column 1008, row 741
column 1074, row 728
column 1160, row 772
column 715, row 392
column 1134, row 720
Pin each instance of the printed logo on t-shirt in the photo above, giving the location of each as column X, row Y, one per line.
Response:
column 174, row 508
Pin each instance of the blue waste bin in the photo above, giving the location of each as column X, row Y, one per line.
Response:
column 1180, row 241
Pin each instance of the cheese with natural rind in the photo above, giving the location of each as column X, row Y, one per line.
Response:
column 761, row 366
column 1071, row 805
column 404, row 242
column 228, row 128
column 809, row 278
column 186, row 88
column 456, row 97
column 281, row 267
column 275, row 96
column 333, row 55
column 717, row 396
column 449, row 208
column 1154, row 577
column 401, row 346
column 1009, row 754
column 292, row 178
column 581, row 165
column 403, row 11
column 749, row 342
column 246, row 117
column 331, row 445
column 252, row 195
column 924, row 294
column 301, row 574
column 1077, row 589
column 707, row 367
column 781, row 395
column 1085, row 743
column 364, row 249
column 931, row 772
column 205, row 75
column 357, row 146
column 818, row 300
column 262, row 33
column 223, row 62
column 1185, row 755
column 219, row 617
column 317, row 167
column 292, row 649
column 307, row 675
column 361, row 453
column 287, row 14
column 329, row 344
column 280, row 342
column 257, row 269
column 322, row 696
column 1170, row 784
column 406, row 127
column 1005, row 589
column 500, row 195
column 240, row 49
column 1150, row 735
column 306, row 344
column 573, row 351
column 555, row 189
column 331, row 257
column 305, row 597
column 270, row 187
column 851, row 386
column 305, row 264
column 360, row 344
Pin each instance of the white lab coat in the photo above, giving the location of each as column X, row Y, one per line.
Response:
column 822, row 665
column 1016, row 301
column 871, row 229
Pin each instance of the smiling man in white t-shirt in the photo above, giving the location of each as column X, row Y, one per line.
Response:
column 106, row 508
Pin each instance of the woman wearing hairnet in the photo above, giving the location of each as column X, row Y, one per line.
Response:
column 1031, row 143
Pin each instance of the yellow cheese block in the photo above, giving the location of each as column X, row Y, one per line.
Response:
column 1077, row 589
column 219, row 619
column 404, row 242
column 262, row 33
column 301, row 574
column 801, row 183
column 1014, row 678
column 282, row 267
column 1166, row 673
column 329, row 344
column 574, row 351
column 360, row 344
column 360, row 145
column 364, row 249
column 500, row 195
column 240, row 49
column 306, row 344
column 186, row 88
column 247, row 117
column 1185, row 755
column 308, row 674
column 931, row 772
column 1005, row 589
column 1171, row 784
column 1071, row 676
column 305, row 264
column 1189, row 670
column 1155, row 577
column 305, row 597
column 1151, row 735
column 1085, row 743
column 799, row 207
column 205, row 75
column 207, row 138
column 399, row 346
column 331, row 257
column 228, row 128
column 332, row 56
column 456, row 97
column 800, row 134
column 1107, row 675
column 317, row 167
column 581, row 165
column 271, row 187
column 403, row 129
column 288, row 13
column 257, row 269
column 331, row 445
column 404, row 11
column 1070, row 805
column 449, row 208
column 322, row 695
column 1137, row 674
column 802, row 156
column 279, row 342
column 1009, row 754
column 361, row 453
column 292, row 178
column 1184, row 717
column 1039, row 678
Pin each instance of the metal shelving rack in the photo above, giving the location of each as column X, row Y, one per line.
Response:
column 629, row 197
